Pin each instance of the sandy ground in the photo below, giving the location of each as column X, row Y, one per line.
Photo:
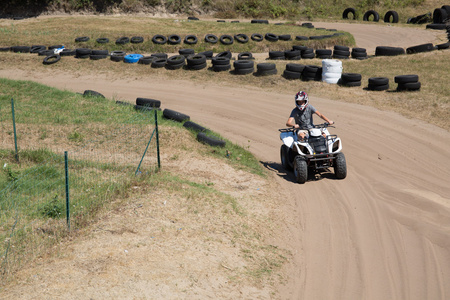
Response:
column 383, row 232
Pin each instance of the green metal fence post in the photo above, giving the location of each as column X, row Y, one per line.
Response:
column 66, row 167
column 16, row 155
column 157, row 139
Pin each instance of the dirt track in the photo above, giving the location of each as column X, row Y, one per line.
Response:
column 383, row 232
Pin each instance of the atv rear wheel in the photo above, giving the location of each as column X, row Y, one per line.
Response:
column 284, row 155
column 300, row 169
column 340, row 166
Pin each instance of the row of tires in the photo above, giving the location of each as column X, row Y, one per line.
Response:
column 440, row 16
column 391, row 16
column 304, row 52
column 204, row 135
column 225, row 39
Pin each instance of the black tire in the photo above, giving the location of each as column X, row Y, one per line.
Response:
column 291, row 74
column 443, row 46
column 146, row 60
column 420, row 48
column 284, row 157
column 99, row 52
column 226, row 54
column 284, row 37
column 82, row 52
column 241, row 38
column 369, row 13
column 439, row 16
column 406, row 78
column 220, row 61
column 51, row 59
column 301, row 38
column 148, row 102
column 221, row 68
column 300, row 169
column 82, row 39
column 265, row 72
column 257, row 37
column 341, row 52
column 91, row 93
column 196, row 59
column 243, row 64
column 194, row 126
column 174, row 115
column 117, row 58
column 174, row 39
column 276, row 55
column 388, row 51
column 196, row 67
column 245, row 55
column 308, row 55
column 226, row 39
column 409, row 86
column 21, row 49
column 46, row 52
column 207, row 53
column 349, row 83
column 271, row 37
column 186, row 52
column 158, row 63
column 123, row 40
column 67, row 52
column 137, row 40
column 340, row 166
column 175, row 66
column 259, row 21
column 348, row 77
column 290, row 54
column 378, row 87
column 374, row 81
column 190, row 39
column 176, row 60
column 5, row 49
column 349, row 10
column 389, row 14
column 266, row 66
column 193, row 18
column 211, row 38
column 203, row 138
column 324, row 52
column 243, row 71
column 359, row 55
column 159, row 39
column 295, row 67
column 97, row 56
column 102, row 40
column 37, row 48
column 436, row 26
column 359, row 50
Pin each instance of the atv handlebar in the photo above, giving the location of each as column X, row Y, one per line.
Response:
column 292, row 129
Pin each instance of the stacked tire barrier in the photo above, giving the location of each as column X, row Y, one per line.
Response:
column 312, row 73
column 341, row 52
column 378, row 84
column 220, row 64
column 350, row 79
column 243, row 67
column 196, row 62
column 407, row 82
column 175, row 62
column 265, row 69
column 293, row 71
column 331, row 70
column 359, row 53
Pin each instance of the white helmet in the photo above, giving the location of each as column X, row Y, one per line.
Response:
column 299, row 97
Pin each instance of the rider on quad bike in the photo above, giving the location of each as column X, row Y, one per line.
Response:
column 309, row 147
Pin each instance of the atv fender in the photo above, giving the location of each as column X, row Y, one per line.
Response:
column 288, row 138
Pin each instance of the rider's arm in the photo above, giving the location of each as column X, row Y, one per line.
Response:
column 324, row 118
column 291, row 123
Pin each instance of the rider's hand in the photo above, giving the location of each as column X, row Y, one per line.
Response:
column 331, row 122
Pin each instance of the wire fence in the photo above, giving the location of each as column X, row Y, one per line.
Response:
column 56, row 176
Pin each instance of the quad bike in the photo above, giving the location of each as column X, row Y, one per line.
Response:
column 314, row 154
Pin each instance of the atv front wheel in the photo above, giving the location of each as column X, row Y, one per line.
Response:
column 340, row 166
column 300, row 169
column 284, row 155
